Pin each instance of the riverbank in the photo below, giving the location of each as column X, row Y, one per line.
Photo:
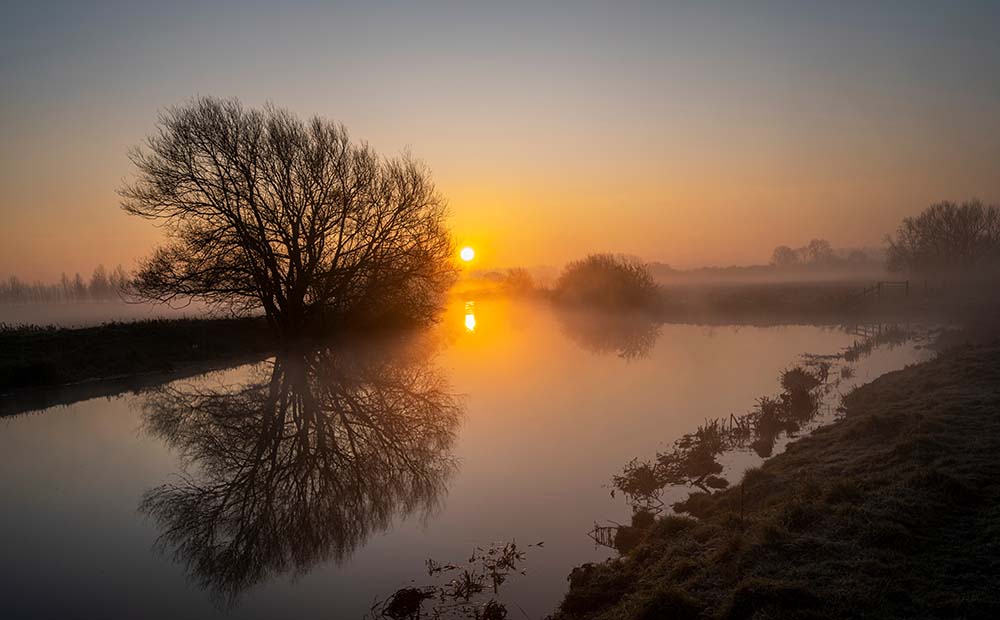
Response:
column 35, row 357
column 890, row 512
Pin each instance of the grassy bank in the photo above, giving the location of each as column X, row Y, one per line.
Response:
column 892, row 512
column 45, row 357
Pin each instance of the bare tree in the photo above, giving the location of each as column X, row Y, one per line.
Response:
column 784, row 256
column 120, row 282
column 819, row 252
column 79, row 287
column 65, row 287
column 100, row 285
column 265, row 211
column 946, row 236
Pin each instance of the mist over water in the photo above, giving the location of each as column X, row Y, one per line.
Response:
column 90, row 314
column 548, row 415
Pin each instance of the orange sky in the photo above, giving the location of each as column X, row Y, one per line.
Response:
column 689, row 135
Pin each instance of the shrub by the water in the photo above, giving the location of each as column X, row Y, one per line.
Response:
column 606, row 280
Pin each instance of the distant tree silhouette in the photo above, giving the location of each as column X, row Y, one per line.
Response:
column 65, row 287
column 606, row 280
column 103, row 286
column 120, row 282
column 519, row 280
column 819, row 252
column 516, row 280
column 79, row 287
column 100, row 284
column 265, row 211
column 946, row 236
column 784, row 256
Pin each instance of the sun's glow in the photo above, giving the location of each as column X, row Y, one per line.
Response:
column 467, row 254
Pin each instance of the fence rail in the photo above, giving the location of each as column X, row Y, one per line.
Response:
column 880, row 288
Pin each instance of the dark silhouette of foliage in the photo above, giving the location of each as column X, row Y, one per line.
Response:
column 464, row 594
column 266, row 211
column 113, row 355
column 946, row 237
column 517, row 280
column 784, row 256
column 102, row 286
column 607, row 281
column 819, row 253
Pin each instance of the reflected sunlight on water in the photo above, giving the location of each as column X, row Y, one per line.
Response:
column 470, row 316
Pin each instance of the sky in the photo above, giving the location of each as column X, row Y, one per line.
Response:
column 692, row 133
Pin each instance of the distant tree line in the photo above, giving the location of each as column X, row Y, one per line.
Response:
column 819, row 253
column 514, row 280
column 103, row 285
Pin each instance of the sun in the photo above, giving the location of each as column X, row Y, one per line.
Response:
column 467, row 254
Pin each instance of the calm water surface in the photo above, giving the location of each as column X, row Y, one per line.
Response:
column 505, row 424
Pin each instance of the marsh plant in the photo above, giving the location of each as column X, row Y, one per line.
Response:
column 692, row 461
column 461, row 590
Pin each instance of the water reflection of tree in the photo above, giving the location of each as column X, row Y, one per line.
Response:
column 300, row 465
column 629, row 335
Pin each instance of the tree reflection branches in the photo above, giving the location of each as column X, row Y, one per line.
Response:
column 301, row 464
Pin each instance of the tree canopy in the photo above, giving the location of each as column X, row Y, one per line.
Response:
column 946, row 237
column 265, row 211
column 607, row 281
